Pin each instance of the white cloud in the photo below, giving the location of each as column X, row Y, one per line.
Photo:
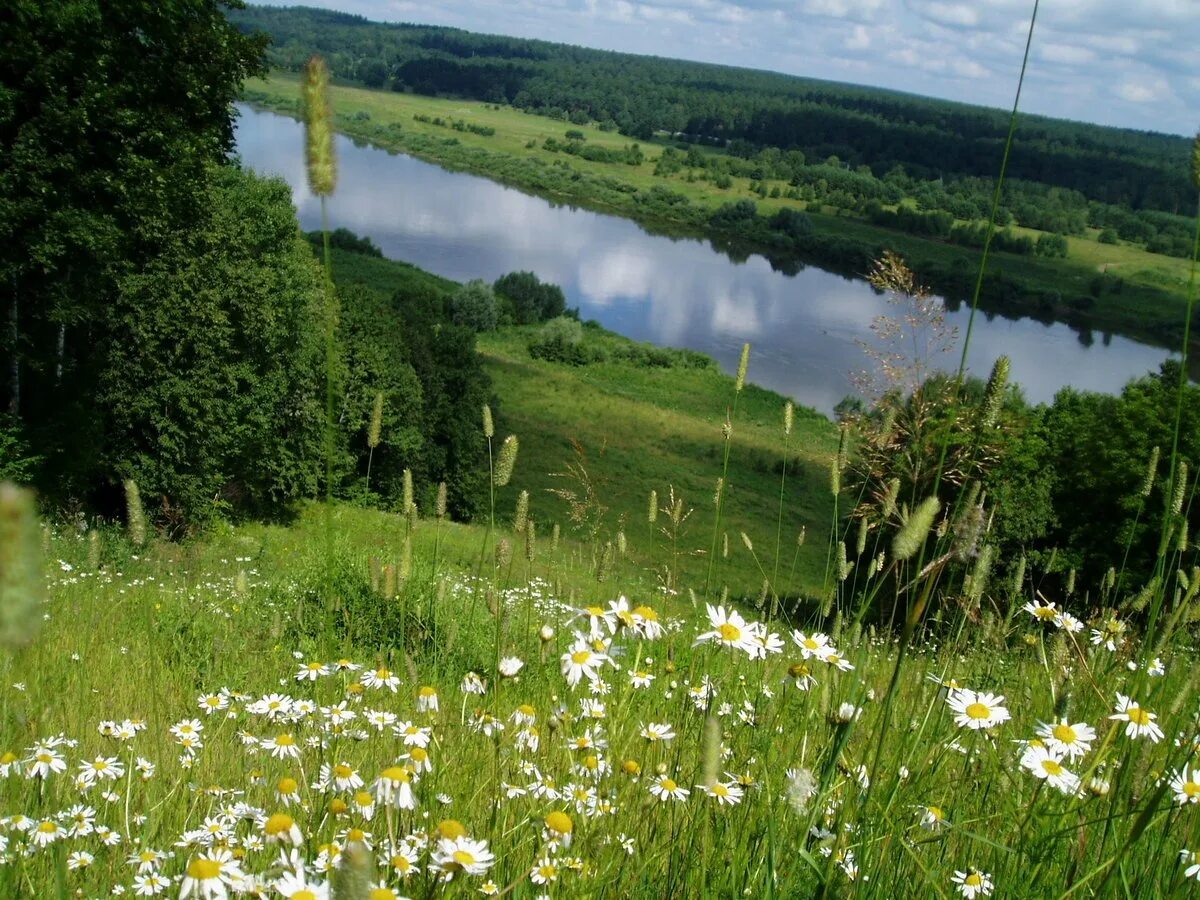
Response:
column 1143, row 90
column 1067, row 54
column 860, row 39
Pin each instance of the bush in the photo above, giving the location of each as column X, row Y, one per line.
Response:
column 561, row 340
column 532, row 300
column 474, row 305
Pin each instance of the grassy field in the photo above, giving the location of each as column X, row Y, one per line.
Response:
column 188, row 712
column 1148, row 306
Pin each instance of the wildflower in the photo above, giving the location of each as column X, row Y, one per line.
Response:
column 640, row 679
column 419, row 762
column 977, row 711
column 1185, row 784
column 1046, row 764
column 581, row 661
column 460, row 854
column 665, row 789
column 394, row 787
column 413, row 735
column 282, row 746
column 1141, row 721
column 814, row 646
column 341, row 777
column 801, row 676
column 1191, row 859
column 509, row 666
column 287, row 791
column 403, row 860
column 45, row 833
column 473, row 684
column 1043, row 611
column 209, row 874
column 312, row 671
column 544, row 871
column 845, row 714
column 211, row 703
column 1068, row 623
column 973, row 883
column 381, row 678
column 364, row 804
column 1074, row 740
column 657, row 732
column 101, row 769
column 44, row 762
column 725, row 794
column 1156, row 669
column 150, row 885
column 559, row 828
column 599, row 620
column 427, row 699
column 932, row 818
column 296, row 886
column 646, row 623
column 1111, row 634
column 729, row 629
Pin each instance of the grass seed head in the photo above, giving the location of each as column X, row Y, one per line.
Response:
column 21, row 583
column 318, row 128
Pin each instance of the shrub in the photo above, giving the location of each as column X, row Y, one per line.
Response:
column 474, row 305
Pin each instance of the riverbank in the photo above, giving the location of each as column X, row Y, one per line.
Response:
column 1106, row 288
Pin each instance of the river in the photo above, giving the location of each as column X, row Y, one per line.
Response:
column 805, row 329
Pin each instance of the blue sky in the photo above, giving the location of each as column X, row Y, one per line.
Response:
column 1132, row 63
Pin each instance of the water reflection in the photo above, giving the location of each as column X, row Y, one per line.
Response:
column 671, row 291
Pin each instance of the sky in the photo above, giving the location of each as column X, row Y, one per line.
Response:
column 1132, row 63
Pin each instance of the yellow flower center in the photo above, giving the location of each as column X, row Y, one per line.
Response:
column 548, row 872
column 729, row 632
column 973, row 880
column 579, row 657
column 560, row 822
column 669, row 784
column 202, row 869
column 526, row 710
column 595, row 611
column 1138, row 716
column 285, row 740
column 935, row 812
column 451, row 829
column 355, row 835
column 47, row 828
column 279, row 823
column 341, row 770
column 146, row 856
column 1043, row 612
column 1065, row 733
column 287, row 786
column 720, row 790
column 395, row 773
column 382, row 893
column 427, row 691
column 631, row 767
column 337, row 805
column 463, row 858
column 303, row 894
column 1191, row 789
column 401, row 863
column 978, row 711
column 1050, row 767
column 418, row 754
column 646, row 613
column 810, row 644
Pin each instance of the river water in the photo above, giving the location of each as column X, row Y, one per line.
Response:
column 804, row 329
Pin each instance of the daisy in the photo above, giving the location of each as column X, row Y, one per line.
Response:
column 599, row 620
column 460, row 854
column 581, row 661
column 404, row 860
column 394, row 787
column 509, row 666
column 646, row 624
column 413, row 735
column 932, row 818
column 211, row 703
column 364, row 804
column 1046, row 764
column 977, row 711
column 427, row 699
column 973, row 883
column 150, row 885
column 1074, row 740
column 812, row 646
column 282, row 746
column 1041, row 610
column 44, row 761
column 101, row 769
column 725, row 794
column 381, row 678
column 1068, row 623
column 341, row 777
column 1111, row 634
column 1191, row 859
column 209, row 874
column 559, row 828
column 1186, row 785
column 544, row 871
column 45, row 833
column 473, row 684
column 1141, row 721
column 640, row 679
column 312, row 671
column 729, row 629
column 657, row 732
column 282, row 829
column 665, row 789
column 287, row 791
column 801, row 675
column 296, row 886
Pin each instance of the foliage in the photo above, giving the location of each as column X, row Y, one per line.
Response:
column 532, row 300
column 213, row 398
column 474, row 306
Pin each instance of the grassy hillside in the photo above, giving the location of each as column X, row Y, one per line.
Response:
column 634, row 428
